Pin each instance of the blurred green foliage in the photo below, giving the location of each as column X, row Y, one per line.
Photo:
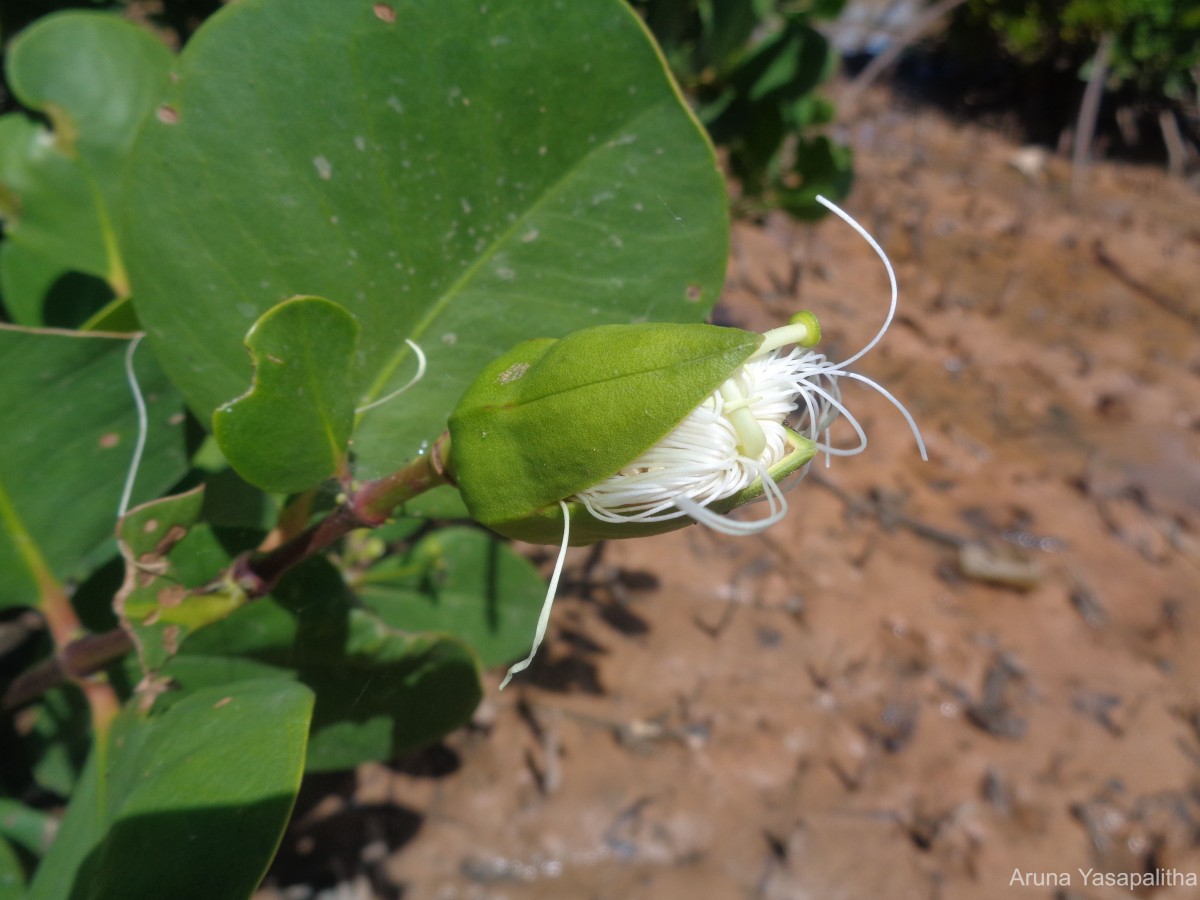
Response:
column 1156, row 43
column 751, row 69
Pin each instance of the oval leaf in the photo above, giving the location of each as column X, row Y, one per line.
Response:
column 463, row 175
column 95, row 77
column 187, row 804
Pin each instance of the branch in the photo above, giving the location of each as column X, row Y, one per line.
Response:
column 885, row 60
column 257, row 573
column 1089, row 111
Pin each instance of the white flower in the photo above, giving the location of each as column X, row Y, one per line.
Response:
column 738, row 432
column 733, row 437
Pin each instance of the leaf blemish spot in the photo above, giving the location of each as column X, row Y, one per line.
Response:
column 167, row 115
column 693, row 293
column 384, row 13
column 173, row 595
column 512, row 373
column 109, row 440
column 324, row 167
column 224, row 701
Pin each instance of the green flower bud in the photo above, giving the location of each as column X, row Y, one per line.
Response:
column 640, row 429
column 629, row 430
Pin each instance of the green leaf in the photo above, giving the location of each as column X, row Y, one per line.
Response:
column 26, row 827
column 821, row 167
column 167, row 557
column 462, row 174
column 25, row 278
column 12, row 873
column 461, row 581
column 95, row 77
column 40, row 292
column 380, row 691
column 187, row 804
column 291, row 429
column 67, row 431
column 788, row 66
column 727, row 26
column 116, row 316
column 60, row 739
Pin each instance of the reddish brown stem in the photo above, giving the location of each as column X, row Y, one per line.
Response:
column 80, row 658
column 369, row 507
column 257, row 574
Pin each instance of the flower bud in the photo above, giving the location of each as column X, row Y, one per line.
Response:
column 640, row 429
column 629, row 430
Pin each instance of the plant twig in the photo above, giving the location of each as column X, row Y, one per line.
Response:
column 888, row 58
column 1173, row 139
column 78, row 660
column 1089, row 111
column 257, row 574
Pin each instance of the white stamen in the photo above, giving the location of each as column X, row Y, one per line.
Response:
column 396, row 393
column 139, row 447
column 547, row 604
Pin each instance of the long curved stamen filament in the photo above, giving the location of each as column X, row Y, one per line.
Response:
column 396, row 393
column 891, row 273
column 548, row 604
column 139, row 446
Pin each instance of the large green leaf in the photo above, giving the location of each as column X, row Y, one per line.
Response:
column 292, row 428
column 462, row 174
column 380, row 691
column 95, row 77
column 67, row 430
column 461, row 581
column 187, row 804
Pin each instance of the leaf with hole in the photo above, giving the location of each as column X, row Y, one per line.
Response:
column 169, row 562
column 291, row 430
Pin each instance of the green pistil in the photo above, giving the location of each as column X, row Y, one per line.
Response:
column 802, row 329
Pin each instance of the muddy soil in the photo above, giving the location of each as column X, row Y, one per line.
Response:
column 968, row 677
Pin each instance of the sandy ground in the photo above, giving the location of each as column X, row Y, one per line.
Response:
column 936, row 679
